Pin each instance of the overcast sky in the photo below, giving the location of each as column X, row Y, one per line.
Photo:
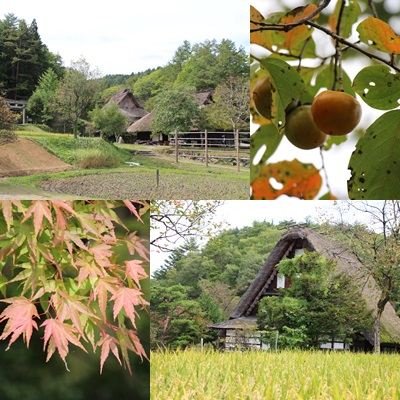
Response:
column 128, row 36
column 241, row 213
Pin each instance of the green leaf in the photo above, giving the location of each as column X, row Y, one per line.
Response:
column 288, row 84
column 326, row 78
column 334, row 140
column 266, row 135
column 3, row 283
column 378, row 87
column 349, row 17
column 375, row 163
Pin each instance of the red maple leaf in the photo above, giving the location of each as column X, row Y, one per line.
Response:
column 128, row 298
column 107, row 343
column 58, row 334
column 135, row 270
column 19, row 314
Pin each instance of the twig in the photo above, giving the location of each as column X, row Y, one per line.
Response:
column 338, row 54
column 301, row 53
column 324, row 168
column 373, row 9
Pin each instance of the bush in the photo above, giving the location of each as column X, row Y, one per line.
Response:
column 66, row 148
column 95, row 158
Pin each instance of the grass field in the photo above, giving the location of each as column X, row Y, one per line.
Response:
column 186, row 179
column 204, row 375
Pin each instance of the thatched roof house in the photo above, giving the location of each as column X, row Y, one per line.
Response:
column 266, row 282
column 144, row 124
column 128, row 105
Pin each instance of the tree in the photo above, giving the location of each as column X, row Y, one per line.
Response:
column 173, row 220
column 73, row 271
column 41, row 103
column 320, row 306
column 24, row 57
column 230, row 109
column 7, row 118
column 378, row 250
column 109, row 121
column 210, row 63
column 291, row 37
column 176, row 110
column 174, row 258
column 75, row 95
column 176, row 321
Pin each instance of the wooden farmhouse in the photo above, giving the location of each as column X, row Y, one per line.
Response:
column 128, row 105
column 143, row 128
column 241, row 327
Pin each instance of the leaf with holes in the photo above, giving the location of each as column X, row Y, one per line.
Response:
column 292, row 178
column 295, row 39
column 288, row 84
column 265, row 140
column 266, row 39
column 375, row 163
column 350, row 14
column 379, row 35
column 378, row 87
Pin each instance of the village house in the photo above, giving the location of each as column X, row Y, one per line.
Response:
column 143, row 128
column 241, row 327
column 128, row 105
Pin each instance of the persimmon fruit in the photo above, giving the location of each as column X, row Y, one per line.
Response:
column 301, row 130
column 336, row 113
column 262, row 97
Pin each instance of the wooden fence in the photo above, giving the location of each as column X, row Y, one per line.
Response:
column 203, row 144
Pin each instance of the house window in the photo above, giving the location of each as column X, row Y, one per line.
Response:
column 280, row 284
column 298, row 252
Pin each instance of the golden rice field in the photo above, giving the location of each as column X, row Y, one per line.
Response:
column 193, row 374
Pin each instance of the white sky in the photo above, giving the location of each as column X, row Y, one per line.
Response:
column 130, row 35
column 241, row 213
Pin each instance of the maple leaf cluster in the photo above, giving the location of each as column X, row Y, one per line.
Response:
column 61, row 271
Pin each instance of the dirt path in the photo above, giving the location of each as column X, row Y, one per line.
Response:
column 25, row 157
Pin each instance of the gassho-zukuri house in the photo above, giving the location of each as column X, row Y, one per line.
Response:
column 241, row 327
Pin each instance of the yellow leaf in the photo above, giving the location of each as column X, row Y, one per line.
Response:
column 379, row 35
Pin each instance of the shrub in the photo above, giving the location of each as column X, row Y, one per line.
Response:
column 95, row 158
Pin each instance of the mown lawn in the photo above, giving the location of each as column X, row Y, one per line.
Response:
column 273, row 376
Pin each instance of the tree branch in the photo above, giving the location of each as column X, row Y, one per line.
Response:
column 307, row 21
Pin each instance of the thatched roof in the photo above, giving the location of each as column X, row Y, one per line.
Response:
column 346, row 263
column 204, row 98
column 128, row 105
column 143, row 124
